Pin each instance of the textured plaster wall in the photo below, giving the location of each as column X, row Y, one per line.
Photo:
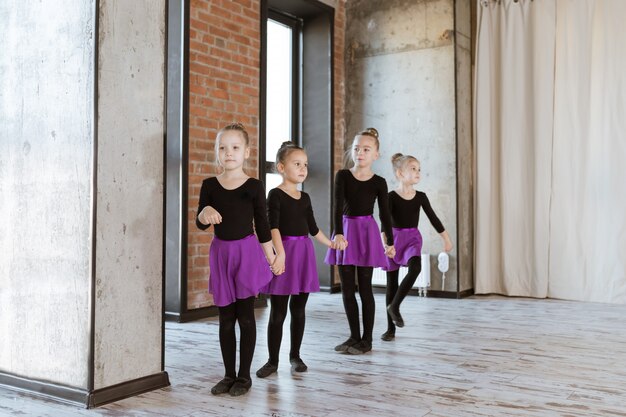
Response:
column 400, row 78
column 46, row 124
column 129, row 190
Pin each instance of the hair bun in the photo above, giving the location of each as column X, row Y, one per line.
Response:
column 372, row 131
column 396, row 156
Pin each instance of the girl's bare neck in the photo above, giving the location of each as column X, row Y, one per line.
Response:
column 362, row 173
column 406, row 190
column 232, row 178
column 290, row 188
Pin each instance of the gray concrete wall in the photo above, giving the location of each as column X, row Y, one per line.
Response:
column 400, row 73
column 131, row 85
column 46, row 114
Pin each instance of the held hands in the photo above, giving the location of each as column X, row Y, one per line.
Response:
column 278, row 264
column 339, row 243
column 390, row 251
column 209, row 215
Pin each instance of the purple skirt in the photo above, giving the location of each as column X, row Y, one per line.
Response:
column 300, row 269
column 408, row 243
column 365, row 246
column 238, row 269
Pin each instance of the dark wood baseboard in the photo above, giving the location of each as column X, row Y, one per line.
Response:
column 80, row 397
column 191, row 315
column 333, row 289
column 466, row 293
column 127, row 389
column 205, row 312
column 450, row 294
column 380, row 289
column 48, row 390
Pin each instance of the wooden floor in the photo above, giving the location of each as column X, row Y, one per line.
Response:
column 482, row 356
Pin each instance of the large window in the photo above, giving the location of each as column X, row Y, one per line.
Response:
column 282, row 88
column 296, row 100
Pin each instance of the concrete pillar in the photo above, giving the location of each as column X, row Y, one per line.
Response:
column 81, row 198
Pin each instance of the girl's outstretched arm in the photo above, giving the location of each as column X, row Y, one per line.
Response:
column 447, row 242
column 321, row 237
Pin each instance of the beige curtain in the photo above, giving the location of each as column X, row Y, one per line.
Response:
column 513, row 139
column 551, row 149
column 588, row 216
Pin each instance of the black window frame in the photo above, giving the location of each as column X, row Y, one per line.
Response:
column 265, row 166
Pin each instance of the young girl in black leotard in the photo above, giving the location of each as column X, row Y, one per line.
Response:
column 356, row 191
column 404, row 205
column 291, row 219
column 240, row 266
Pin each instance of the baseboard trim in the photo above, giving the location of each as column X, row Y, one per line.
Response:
column 333, row 289
column 127, row 389
column 380, row 289
column 48, row 390
column 466, row 293
column 205, row 312
column 82, row 398
column 450, row 294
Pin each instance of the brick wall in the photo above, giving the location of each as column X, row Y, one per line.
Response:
column 224, row 71
column 340, row 90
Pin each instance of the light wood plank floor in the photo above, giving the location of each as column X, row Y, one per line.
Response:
column 482, row 356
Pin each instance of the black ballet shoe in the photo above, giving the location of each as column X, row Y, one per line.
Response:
column 266, row 370
column 223, row 386
column 396, row 317
column 297, row 365
column 360, row 348
column 345, row 345
column 240, row 387
column 388, row 336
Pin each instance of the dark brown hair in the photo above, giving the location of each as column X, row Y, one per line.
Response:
column 285, row 149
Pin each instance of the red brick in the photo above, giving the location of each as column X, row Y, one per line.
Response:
column 224, row 64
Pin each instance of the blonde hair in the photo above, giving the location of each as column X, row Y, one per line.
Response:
column 399, row 161
column 370, row 132
column 238, row 127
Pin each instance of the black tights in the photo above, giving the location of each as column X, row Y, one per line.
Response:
column 348, row 289
column 241, row 311
column 277, row 318
column 395, row 294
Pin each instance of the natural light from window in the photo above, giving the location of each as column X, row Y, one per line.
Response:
column 279, row 94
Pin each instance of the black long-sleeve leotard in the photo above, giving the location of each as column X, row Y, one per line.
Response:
column 292, row 217
column 238, row 208
column 356, row 198
column 406, row 213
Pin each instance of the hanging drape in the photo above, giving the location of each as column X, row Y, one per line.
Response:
column 514, row 84
column 550, row 115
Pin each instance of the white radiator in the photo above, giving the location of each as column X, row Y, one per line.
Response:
column 423, row 279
